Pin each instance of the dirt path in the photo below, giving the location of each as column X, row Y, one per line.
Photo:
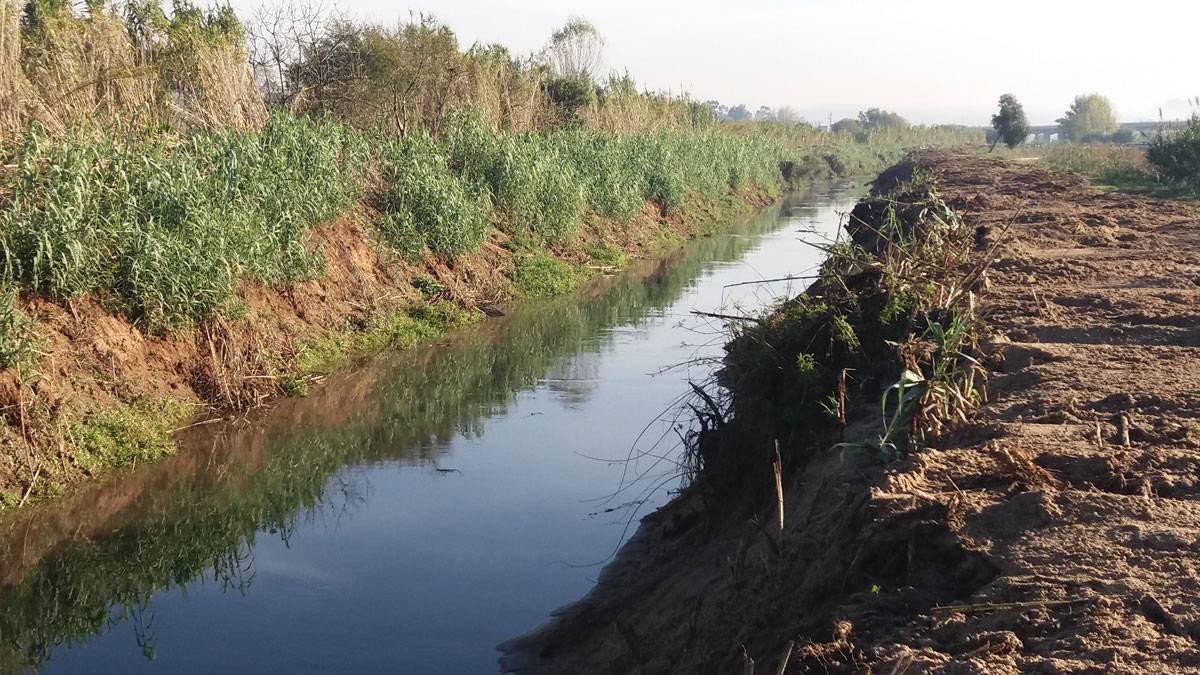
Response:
column 1057, row 532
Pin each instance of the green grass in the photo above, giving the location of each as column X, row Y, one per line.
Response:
column 401, row 329
column 169, row 227
column 18, row 333
column 128, row 434
column 541, row 275
column 424, row 203
column 606, row 254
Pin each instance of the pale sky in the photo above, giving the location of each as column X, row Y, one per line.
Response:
column 930, row 60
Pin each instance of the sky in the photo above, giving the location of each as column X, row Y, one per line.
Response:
column 933, row 61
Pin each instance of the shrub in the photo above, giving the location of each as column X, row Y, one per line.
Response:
column 1177, row 156
column 570, row 95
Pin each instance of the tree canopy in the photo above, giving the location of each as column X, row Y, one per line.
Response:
column 1089, row 116
column 847, row 125
column 877, row 118
column 575, row 51
column 1010, row 123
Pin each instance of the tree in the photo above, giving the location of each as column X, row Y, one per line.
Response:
column 575, row 51
column 847, row 125
column 1089, row 116
column 876, row 118
column 787, row 115
column 765, row 114
column 738, row 113
column 1010, row 123
column 719, row 111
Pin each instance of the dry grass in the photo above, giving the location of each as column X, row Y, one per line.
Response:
column 59, row 71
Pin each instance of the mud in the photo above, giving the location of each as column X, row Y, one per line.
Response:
column 1057, row 531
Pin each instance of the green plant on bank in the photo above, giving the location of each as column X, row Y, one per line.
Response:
column 169, row 227
column 128, row 434
column 607, row 255
column 424, row 203
column 18, row 333
column 541, row 275
column 1176, row 155
column 895, row 292
column 398, row 329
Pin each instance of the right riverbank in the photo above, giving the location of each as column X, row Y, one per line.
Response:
column 998, row 477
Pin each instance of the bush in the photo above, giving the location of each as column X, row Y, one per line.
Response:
column 1177, row 156
column 570, row 95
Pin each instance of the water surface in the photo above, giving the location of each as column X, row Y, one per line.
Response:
column 413, row 513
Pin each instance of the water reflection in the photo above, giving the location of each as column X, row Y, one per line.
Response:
column 71, row 570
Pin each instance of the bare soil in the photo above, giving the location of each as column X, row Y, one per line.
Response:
column 1058, row 531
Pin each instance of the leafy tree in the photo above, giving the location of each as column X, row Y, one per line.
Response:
column 1010, row 123
column 847, row 125
column 765, row 113
column 877, row 118
column 787, row 115
column 1090, row 115
column 739, row 112
column 719, row 111
column 575, row 51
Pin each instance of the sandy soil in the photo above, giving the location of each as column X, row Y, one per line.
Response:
column 1059, row 531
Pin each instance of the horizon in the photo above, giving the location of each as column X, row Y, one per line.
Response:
column 807, row 45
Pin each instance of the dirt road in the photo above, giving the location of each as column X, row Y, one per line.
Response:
column 1059, row 531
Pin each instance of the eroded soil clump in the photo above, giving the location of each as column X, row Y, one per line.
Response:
column 1056, row 531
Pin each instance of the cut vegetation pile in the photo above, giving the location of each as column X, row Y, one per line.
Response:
column 1048, row 526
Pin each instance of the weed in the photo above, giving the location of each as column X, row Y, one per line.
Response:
column 171, row 227
column 607, row 255
column 429, row 287
column 127, row 434
column 400, row 329
column 18, row 333
column 540, row 275
column 425, row 203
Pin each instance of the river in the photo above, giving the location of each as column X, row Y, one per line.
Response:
column 413, row 512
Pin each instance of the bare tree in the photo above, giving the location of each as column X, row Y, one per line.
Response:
column 575, row 51
column 301, row 50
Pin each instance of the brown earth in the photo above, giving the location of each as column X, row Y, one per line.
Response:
column 1038, row 538
column 93, row 359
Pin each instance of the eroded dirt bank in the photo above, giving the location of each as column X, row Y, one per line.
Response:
column 1056, row 531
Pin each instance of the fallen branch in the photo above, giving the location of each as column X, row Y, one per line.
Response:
column 994, row 606
column 769, row 281
column 727, row 317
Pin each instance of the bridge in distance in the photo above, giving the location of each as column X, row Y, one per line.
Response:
column 1049, row 132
